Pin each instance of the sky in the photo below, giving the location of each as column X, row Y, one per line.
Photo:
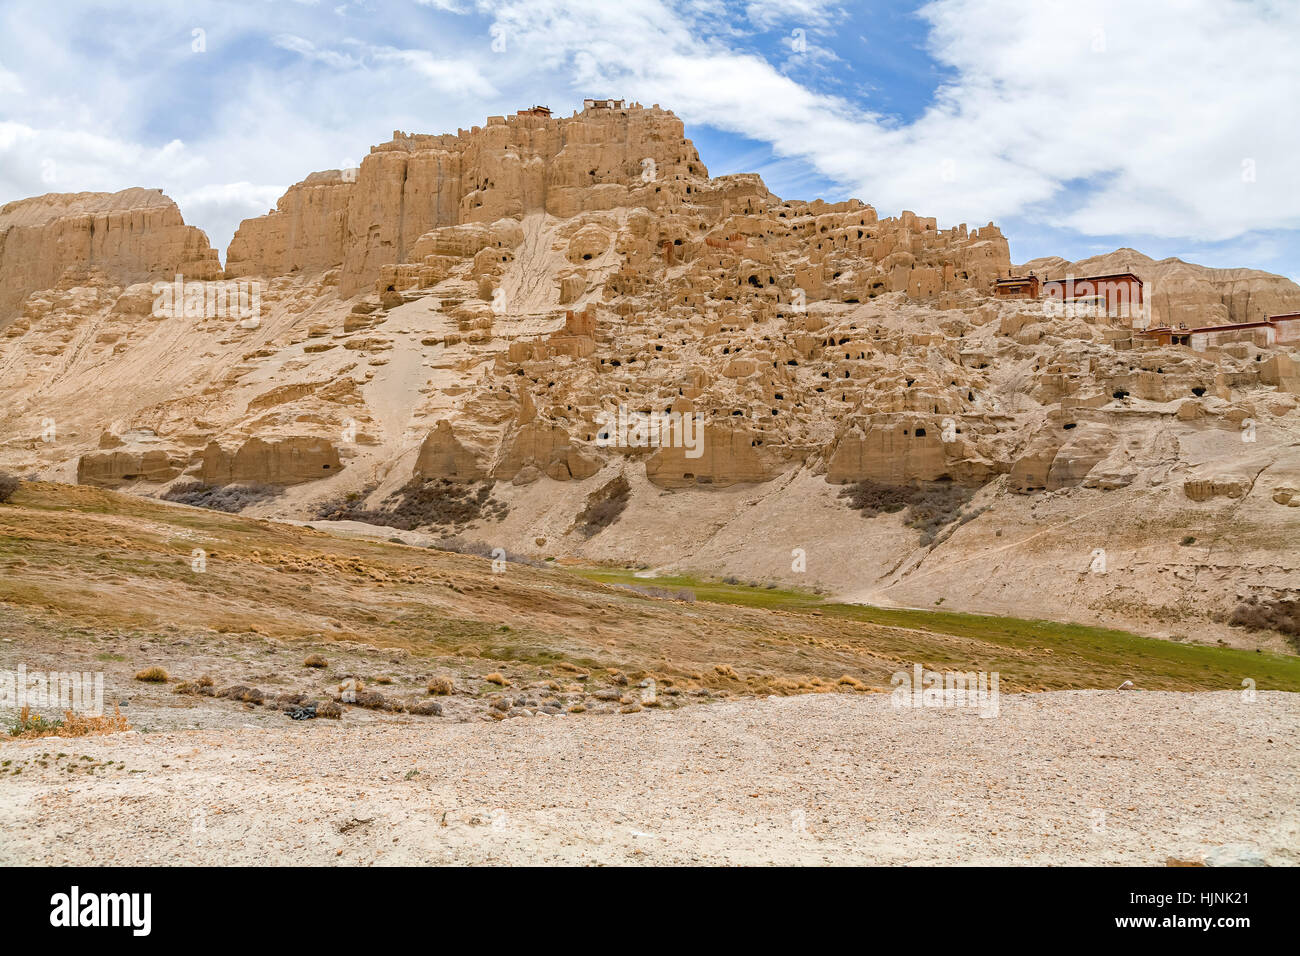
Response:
column 1078, row 127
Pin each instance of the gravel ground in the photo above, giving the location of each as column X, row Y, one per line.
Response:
column 1058, row 778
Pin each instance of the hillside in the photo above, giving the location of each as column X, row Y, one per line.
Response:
column 442, row 336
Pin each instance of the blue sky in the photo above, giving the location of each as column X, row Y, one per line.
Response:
column 1078, row 127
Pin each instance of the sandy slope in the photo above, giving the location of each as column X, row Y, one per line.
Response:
column 1059, row 778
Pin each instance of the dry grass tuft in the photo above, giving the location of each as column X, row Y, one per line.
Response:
column 79, row 725
column 328, row 708
column 241, row 692
column 29, row 726
column 200, row 687
column 153, row 675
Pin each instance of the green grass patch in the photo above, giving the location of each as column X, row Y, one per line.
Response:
column 1061, row 655
column 717, row 592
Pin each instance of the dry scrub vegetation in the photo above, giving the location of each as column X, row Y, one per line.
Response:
column 231, row 499
column 421, row 503
column 29, row 726
column 604, row 505
column 931, row 506
column 1276, row 614
column 77, row 563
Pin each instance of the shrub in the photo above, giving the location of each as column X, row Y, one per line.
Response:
column 328, row 708
column 421, row 502
column 604, row 506
column 79, row 725
column 249, row 695
column 441, row 686
column 231, row 499
column 930, row 506
column 28, row 725
column 152, row 675
column 373, row 700
column 8, row 485
column 1275, row 614
column 200, row 687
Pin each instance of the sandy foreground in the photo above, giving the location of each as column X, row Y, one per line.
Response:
column 1057, row 778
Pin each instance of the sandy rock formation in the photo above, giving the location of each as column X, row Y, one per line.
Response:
column 286, row 462
column 113, row 468
column 128, row 236
column 443, row 456
column 413, row 184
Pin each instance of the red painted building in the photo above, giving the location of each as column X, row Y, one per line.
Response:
column 1113, row 295
column 1287, row 325
column 1016, row 287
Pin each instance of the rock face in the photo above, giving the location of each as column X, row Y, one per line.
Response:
column 442, row 456
column 114, row 468
column 129, row 236
column 416, row 183
column 306, row 232
column 285, row 462
column 544, row 302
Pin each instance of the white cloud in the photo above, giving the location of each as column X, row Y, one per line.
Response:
column 9, row 82
column 309, row 51
column 1155, row 111
column 456, row 76
column 767, row 14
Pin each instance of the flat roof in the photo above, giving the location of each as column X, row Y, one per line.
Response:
column 1208, row 328
column 1114, row 275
